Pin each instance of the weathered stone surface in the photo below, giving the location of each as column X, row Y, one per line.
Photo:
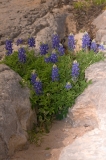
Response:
column 16, row 116
column 100, row 23
column 89, row 147
column 36, row 19
column 90, row 105
column 90, row 110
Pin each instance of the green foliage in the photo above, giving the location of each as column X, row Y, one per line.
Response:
column 99, row 2
column 88, row 3
column 56, row 99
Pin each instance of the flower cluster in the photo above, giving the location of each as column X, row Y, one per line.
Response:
column 55, row 74
column 38, row 86
column 75, row 70
column 8, row 47
column 61, row 50
column 47, row 59
column 101, row 47
column 33, row 77
column 19, row 41
column 86, row 41
column 22, row 55
column 71, row 42
column 93, row 46
column 44, row 49
column 55, row 41
column 31, row 42
column 68, row 86
column 53, row 57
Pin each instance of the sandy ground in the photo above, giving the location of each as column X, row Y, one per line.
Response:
column 61, row 135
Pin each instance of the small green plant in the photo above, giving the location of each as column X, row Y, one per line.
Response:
column 88, row 3
column 99, row 2
column 78, row 5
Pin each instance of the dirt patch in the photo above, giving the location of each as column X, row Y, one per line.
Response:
column 61, row 135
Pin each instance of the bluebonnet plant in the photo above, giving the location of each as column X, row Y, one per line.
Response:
column 53, row 57
column 31, row 42
column 55, row 74
column 93, row 46
column 8, row 47
column 38, row 86
column 47, row 59
column 86, row 41
column 22, row 55
column 71, row 42
column 68, row 86
column 61, row 50
column 55, row 41
column 44, row 49
column 33, row 77
column 75, row 70
column 19, row 41
column 101, row 47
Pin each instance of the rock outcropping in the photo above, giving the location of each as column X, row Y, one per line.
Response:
column 90, row 110
column 16, row 116
column 35, row 18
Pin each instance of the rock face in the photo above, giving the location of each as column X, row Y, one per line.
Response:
column 90, row 110
column 16, row 116
column 100, row 23
column 89, row 147
column 35, row 18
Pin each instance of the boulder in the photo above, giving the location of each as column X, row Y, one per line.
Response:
column 16, row 116
column 100, row 23
column 89, row 111
column 89, row 108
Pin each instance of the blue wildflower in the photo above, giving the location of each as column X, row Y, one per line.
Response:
column 53, row 57
column 38, row 86
column 101, row 47
column 61, row 50
column 93, row 46
column 44, row 49
column 8, row 47
column 19, row 41
column 71, row 42
column 31, row 42
column 22, row 55
column 33, row 77
column 86, row 41
column 55, row 41
column 68, row 86
column 55, row 74
column 47, row 59
column 75, row 70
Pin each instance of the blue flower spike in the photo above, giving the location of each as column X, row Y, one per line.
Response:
column 68, row 86
column 22, row 55
column 8, row 47
column 71, row 42
column 61, row 50
column 55, row 41
column 38, row 86
column 33, row 77
column 53, row 57
column 75, row 70
column 86, row 41
column 93, row 46
column 31, row 42
column 55, row 73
